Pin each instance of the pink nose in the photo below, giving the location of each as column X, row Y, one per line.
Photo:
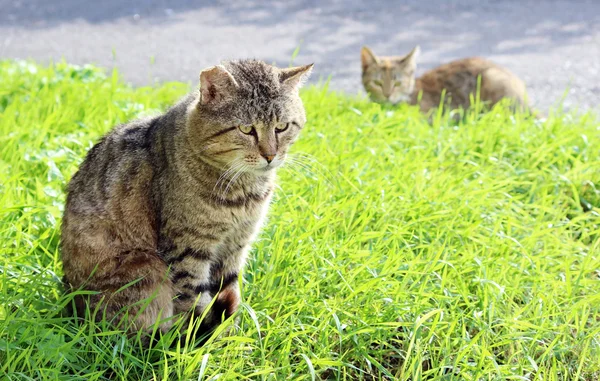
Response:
column 268, row 157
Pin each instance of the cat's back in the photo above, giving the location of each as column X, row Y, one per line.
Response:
column 470, row 64
column 118, row 156
column 461, row 78
column 454, row 73
column 125, row 158
column 109, row 198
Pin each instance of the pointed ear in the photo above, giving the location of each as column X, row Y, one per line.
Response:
column 411, row 58
column 295, row 77
column 216, row 84
column 367, row 58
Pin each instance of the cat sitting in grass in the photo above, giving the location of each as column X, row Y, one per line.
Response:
column 162, row 212
column 392, row 80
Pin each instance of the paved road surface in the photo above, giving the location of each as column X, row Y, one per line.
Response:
column 554, row 45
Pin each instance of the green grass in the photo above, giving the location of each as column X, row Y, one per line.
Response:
column 399, row 250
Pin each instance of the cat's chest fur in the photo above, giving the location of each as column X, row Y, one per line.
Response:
column 234, row 223
column 204, row 226
column 209, row 238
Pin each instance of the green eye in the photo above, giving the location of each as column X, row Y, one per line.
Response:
column 378, row 82
column 282, row 127
column 248, row 130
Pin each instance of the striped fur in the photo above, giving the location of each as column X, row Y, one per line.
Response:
column 392, row 80
column 172, row 204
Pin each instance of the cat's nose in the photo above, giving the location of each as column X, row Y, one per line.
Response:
column 268, row 157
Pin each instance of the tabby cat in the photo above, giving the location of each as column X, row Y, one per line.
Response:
column 161, row 214
column 392, row 80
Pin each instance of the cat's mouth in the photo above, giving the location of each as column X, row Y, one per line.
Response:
column 269, row 167
column 391, row 101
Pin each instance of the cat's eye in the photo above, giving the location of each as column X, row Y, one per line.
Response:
column 248, row 130
column 282, row 127
column 378, row 83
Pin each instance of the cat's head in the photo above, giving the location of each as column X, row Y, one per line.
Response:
column 389, row 79
column 247, row 114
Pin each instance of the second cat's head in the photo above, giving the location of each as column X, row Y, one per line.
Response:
column 389, row 79
column 247, row 115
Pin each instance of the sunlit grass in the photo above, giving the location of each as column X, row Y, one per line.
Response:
column 395, row 250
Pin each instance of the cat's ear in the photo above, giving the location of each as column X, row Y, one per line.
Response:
column 294, row 77
column 216, row 84
column 367, row 57
column 411, row 58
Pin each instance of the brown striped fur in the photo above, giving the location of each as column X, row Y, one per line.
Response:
column 172, row 204
column 392, row 80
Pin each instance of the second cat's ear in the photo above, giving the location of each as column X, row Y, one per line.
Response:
column 295, row 77
column 216, row 84
column 367, row 57
column 413, row 55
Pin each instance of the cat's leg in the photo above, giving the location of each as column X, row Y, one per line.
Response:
column 133, row 292
column 211, row 301
column 227, row 273
column 227, row 301
column 224, row 305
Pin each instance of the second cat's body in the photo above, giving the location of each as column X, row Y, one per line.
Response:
column 392, row 80
column 459, row 80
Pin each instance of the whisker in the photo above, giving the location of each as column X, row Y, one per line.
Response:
column 297, row 168
column 218, row 190
column 312, row 161
column 235, row 177
column 311, row 164
column 231, row 168
column 294, row 163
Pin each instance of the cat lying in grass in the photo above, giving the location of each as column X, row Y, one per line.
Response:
column 391, row 79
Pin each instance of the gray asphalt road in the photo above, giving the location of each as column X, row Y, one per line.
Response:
column 554, row 45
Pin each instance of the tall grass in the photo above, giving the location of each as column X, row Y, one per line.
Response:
column 395, row 249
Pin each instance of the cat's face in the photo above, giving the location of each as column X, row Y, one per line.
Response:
column 248, row 115
column 388, row 79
